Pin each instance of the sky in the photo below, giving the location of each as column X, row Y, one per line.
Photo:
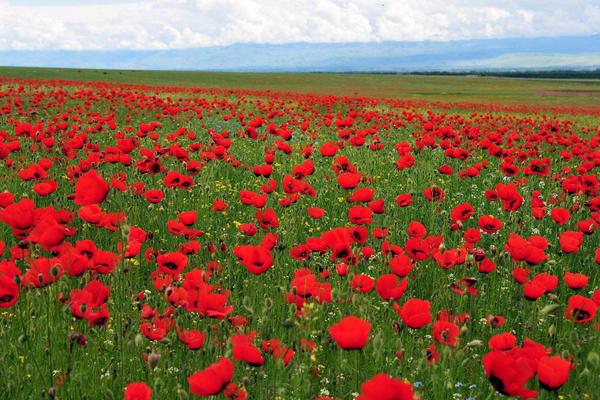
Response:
column 179, row 24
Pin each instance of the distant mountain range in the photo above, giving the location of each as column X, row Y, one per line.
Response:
column 568, row 52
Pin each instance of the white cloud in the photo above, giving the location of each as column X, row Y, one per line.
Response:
column 162, row 24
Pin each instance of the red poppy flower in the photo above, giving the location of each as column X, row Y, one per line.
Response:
column 171, row 263
column 560, row 215
column 362, row 195
column 90, row 188
column 351, row 333
column 267, row 219
column 244, row 350
column 401, row 265
column 43, row 271
column 445, row 169
column 581, row 309
column 489, row 224
column 486, row 266
column 446, row 333
column 390, row 288
column 472, row 235
column 434, row 193
column 571, row 241
column 256, row 259
column 576, row 281
column 315, row 212
column 328, row 149
column 19, row 216
column 48, row 233
column 362, row 283
column 553, row 372
column 496, row 320
column 349, row 180
column 415, row 313
column 300, row 252
column 94, row 294
column 404, row 200
column 531, row 250
column 138, row 391
column 213, row 379
column 462, row 212
column 45, row 188
column 509, row 374
column 9, row 291
column 384, row 387
column 193, row 338
column 6, row 199
column 359, row 215
column 248, row 229
column 154, row 195
column 187, row 218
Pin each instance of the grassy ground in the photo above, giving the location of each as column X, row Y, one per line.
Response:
column 472, row 89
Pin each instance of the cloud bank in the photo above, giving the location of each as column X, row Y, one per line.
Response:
column 179, row 24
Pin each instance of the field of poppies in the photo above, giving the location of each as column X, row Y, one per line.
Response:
column 176, row 243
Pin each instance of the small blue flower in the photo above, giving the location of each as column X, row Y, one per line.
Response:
column 458, row 384
column 418, row 384
column 472, row 386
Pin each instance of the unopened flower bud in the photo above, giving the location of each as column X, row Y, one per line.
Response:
column 153, row 359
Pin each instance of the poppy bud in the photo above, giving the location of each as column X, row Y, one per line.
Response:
column 182, row 394
column 475, row 343
column 397, row 326
column 153, row 359
column 288, row 323
column 52, row 392
column 469, row 259
column 139, row 340
column 479, row 254
column 247, row 305
column 268, row 303
column 81, row 339
column 125, row 230
column 493, row 249
column 585, row 373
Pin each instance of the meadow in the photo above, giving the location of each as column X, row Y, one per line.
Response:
column 290, row 236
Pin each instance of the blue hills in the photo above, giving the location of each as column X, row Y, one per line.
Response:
column 566, row 52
